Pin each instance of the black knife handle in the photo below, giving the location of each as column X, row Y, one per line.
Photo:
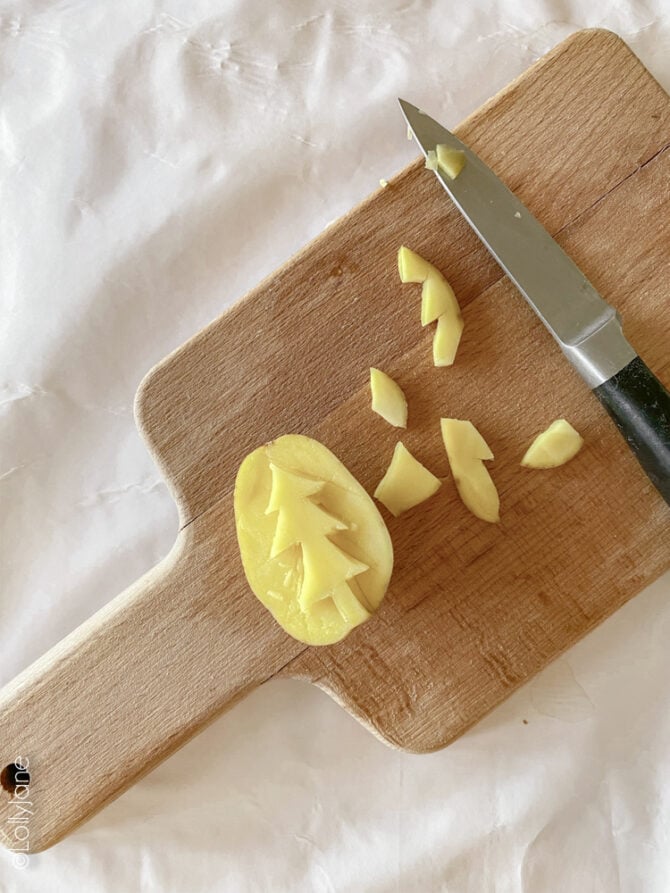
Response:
column 640, row 407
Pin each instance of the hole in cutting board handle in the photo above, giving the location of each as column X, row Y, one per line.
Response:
column 12, row 776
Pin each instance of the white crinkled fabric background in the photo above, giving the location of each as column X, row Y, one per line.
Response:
column 158, row 159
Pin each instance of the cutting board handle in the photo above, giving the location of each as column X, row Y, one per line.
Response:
column 127, row 688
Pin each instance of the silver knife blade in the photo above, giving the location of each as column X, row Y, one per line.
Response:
column 585, row 326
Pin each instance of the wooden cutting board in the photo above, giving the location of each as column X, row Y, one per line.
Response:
column 473, row 609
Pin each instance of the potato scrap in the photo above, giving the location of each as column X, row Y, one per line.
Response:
column 450, row 161
column 406, row 483
column 554, row 447
column 437, row 299
column 438, row 302
column 388, row 399
column 412, row 267
column 446, row 339
column 467, row 450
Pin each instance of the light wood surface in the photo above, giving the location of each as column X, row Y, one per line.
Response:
column 473, row 609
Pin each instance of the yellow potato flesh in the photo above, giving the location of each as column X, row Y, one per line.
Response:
column 412, row 267
column 446, row 339
column 431, row 160
column 406, row 483
column 388, row 399
column 437, row 299
column 467, row 450
column 554, row 447
column 314, row 547
column 438, row 302
column 451, row 161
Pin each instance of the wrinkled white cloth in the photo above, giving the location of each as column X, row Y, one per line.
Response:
column 158, row 157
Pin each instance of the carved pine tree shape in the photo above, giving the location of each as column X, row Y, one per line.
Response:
column 300, row 521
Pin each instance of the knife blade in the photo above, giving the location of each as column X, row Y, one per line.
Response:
column 587, row 329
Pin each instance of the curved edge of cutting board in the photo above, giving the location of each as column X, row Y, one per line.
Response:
column 607, row 39
column 413, row 731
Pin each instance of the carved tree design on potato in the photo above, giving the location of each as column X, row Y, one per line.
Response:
column 301, row 521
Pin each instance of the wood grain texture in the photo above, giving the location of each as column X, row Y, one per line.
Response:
column 473, row 609
column 571, row 129
column 134, row 682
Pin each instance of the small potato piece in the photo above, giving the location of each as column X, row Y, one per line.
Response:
column 451, row 161
column 388, row 399
column 412, row 267
column 406, row 483
column 431, row 160
column 437, row 296
column 437, row 299
column 554, row 447
column 438, row 302
column 447, row 338
column 467, row 450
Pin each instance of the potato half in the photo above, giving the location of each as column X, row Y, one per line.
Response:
column 314, row 547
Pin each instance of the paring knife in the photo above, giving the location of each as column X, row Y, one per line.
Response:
column 587, row 329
